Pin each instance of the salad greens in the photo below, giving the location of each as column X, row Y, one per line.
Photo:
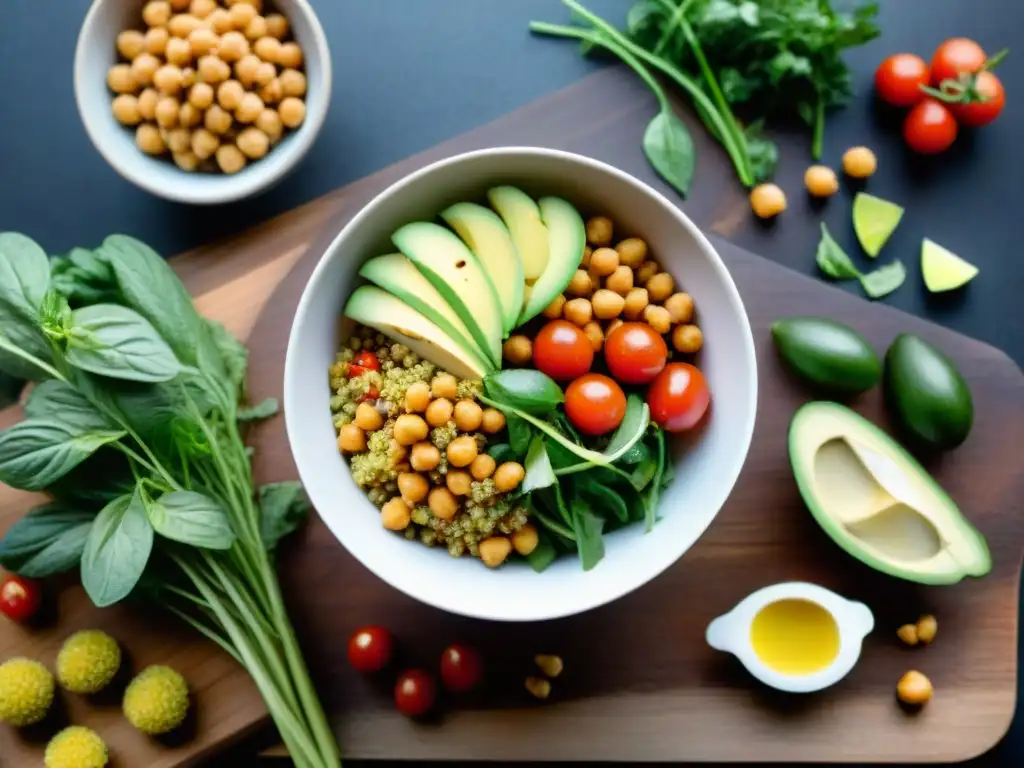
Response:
column 834, row 262
column 577, row 493
column 135, row 428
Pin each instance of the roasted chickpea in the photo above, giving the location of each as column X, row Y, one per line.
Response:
column 687, row 339
column 277, row 25
column 620, row 281
column 599, row 231
column 292, row 110
column 233, row 46
column 266, row 73
column 230, row 158
column 417, row 397
column 517, row 349
column 120, row 79
column 442, row 503
column 293, row 83
column 859, row 162
column 368, row 418
column 660, row 287
column 179, row 5
column 508, row 476
column 255, row 29
column 585, row 260
column 461, row 451
column 604, row 261
column 179, row 141
column 395, row 515
column 482, row 467
column 126, row 109
column 553, row 311
column 646, row 271
column 167, row 112
column 267, row 48
column 147, row 103
column 270, row 123
column 578, row 311
column 459, row 482
column 178, row 52
column 468, row 416
column 351, row 439
column 908, row 634
column 632, row 252
column 271, row 92
column 607, row 304
column 204, row 143
column 927, row 627
column 183, row 25
column 229, row 95
column 680, row 307
column 658, row 318
column 188, row 77
column 187, row 161
column 493, row 421
column 635, row 303
column 247, row 112
column 595, row 334
column 612, row 326
column 424, row 456
column 410, row 428
column 168, row 79
column 290, row 56
column 200, row 95
column 767, row 200
column 821, row 181
column 149, row 140
column 494, row 550
column 525, row 540
column 202, row 8
column 131, row 43
column 220, row 21
column 413, row 487
column 257, row 4
column 439, row 412
column 245, row 68
column 913, row 688
column 241, row 14
column 156, row 41
column 156, row 13
column 213, row 70
column 444, row 385
column 202, row 41
column 217, row 120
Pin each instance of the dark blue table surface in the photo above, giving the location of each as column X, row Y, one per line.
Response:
column 411, row 73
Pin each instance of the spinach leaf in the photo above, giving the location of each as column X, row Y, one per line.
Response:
column 526, row 389
column 60, row 401
column 502, row 452
column 884, row 280
column 117, row 550
column 630, row 432
column 46, row 541
column 588, row 527
column 669, row 148
column 644, row 473
column 543, row 555
column 24, row 275
column 36, row 452
column 118, row 342
column 584, row 453
column 190, row 518
column 283, row 508
column 84, row 277
column 638, row 453
column 832, row 260
column 262, row 410
column 601, row 496
column 654, row 492
column 519, row 434
column 546, row 504
column 538, row 467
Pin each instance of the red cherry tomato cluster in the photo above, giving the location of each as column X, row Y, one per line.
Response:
column 371, row 649
column 20, row 598
column 958, row 88
column 363, row 362
column 562, row 351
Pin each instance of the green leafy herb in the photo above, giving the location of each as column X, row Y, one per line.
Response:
column 36, row 452
column 538, row 467
column 603, row 496
column 58, row 400
column 190, row 518
column 262, row 410
column 84, row 277
column 542, row 556
column 283, row 508
column 502, row 452
column 519, row 435
column 48, row 540
column 832, row 260
column 630, row 432
column 669, row 148
column 117, row 550
column 884, row 280
column 111, row 340
column 584, row 453
column 654, row 491
column 24, row 275
column 528, row 390
column 588, row 527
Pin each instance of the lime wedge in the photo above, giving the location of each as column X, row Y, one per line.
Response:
column 874, row 219
column 943, row 270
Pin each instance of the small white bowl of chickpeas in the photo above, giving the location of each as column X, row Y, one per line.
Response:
column 202, row 101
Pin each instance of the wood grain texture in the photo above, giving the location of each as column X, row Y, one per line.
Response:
column 640, row 684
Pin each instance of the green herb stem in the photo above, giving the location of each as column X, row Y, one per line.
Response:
column 819, row 130
column 32, row 359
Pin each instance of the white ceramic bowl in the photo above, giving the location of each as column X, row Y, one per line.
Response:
column 96, row 53
column 706, row 470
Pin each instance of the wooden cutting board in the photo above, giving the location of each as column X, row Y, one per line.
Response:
column 640, row 684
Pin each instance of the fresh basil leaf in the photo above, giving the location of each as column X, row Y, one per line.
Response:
column 542, row 556
column 642, row 15
column 60, row 401
column 538, row 467
column 36, row 452
column 283, row 508
column 588, row 528
column 18, row 334
column 117, row 550
column 526, row 389
column 84, row 277
column 38, row 529
column 669, row 148
column 114, row 341
column 832, row 260
column 190, row 518
column 260, row 411
column 602, row 497
column 24, row 274
column 225, row 353
column 884, row 280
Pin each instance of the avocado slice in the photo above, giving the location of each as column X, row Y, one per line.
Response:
column 523, row 219
column 379, row 309
column 567, row 237
column 486, row 235
column 877, row 502
column 399, row 277
column 459, row 277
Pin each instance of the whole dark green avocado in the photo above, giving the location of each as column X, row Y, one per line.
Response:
column 830, row 355
column 926, row 394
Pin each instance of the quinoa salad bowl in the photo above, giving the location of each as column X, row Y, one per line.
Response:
column 522, row 366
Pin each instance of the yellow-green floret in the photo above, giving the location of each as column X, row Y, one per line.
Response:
column 156, row 701
column 26, row 692
column 88, row 661
column 76, row 747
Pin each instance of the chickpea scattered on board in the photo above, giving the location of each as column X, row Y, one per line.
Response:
column 767, row 200
column 859, row 162
column 224, row 57
column 914, row 689
column 821, row 181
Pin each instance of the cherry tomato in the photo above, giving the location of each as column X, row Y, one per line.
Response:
column 930, row 128
column 635, row 353
column 20, row 598
column 363, row 362
column 562, row 351
column 595, row 404
column 371, row 394
column 370, row 649
column 978, row 113
column 679, row 397
column 415, row 692
column 954, row 56
column 461, row 668
column 899, row 78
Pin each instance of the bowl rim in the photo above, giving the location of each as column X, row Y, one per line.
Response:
column 292, row 375
column 213, row 195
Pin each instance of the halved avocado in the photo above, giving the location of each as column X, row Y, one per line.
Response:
column 567, row 237
column 378, row 309
column 877, row 502
column 522, row 217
